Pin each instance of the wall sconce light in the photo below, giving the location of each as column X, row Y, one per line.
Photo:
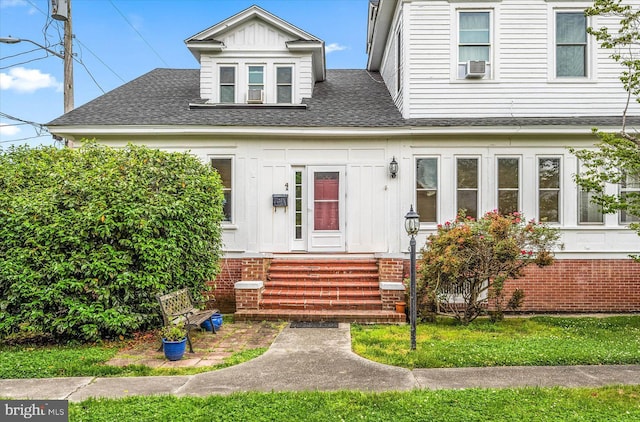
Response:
column 393, row 168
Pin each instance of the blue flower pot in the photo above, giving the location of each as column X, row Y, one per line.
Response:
column 217, row 322
column 174, row 350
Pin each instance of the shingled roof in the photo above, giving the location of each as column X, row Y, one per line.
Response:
column 347, row 98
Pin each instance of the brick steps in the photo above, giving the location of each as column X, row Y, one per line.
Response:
column 350, row 316
column 343, row 290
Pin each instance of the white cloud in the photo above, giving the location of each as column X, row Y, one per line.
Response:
column 334, row 47
column 8, row 130
column 28, row 80
column 12, row 3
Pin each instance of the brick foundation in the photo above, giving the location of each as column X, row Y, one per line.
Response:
column 580, row 285
column 569, row 285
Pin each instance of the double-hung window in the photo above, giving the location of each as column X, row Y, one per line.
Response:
column 284, row 84
column 549, row 189
column 255, row 93
column 427, row 189
column 508, row 185
column 227, row 84
column 571, row 44
column 588, row 211
column 474, row 37
column 224, row 168
column 467, row 186
column 630, row 186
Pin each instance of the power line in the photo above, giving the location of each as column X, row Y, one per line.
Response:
column 24, row 139
column 99, row 59
column 25, row 62
column 139, row 34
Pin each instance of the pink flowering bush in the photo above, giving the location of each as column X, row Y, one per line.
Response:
column 466, row 262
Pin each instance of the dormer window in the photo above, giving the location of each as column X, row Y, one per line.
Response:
column 255, row 93
column 284, row 82
column 227, row 84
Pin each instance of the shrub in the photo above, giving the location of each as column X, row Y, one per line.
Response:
column 470, row 260
column 88, row 237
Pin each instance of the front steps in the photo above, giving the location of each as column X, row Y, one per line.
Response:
column 343, row 290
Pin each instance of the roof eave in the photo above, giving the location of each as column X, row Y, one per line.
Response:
column 380, row 33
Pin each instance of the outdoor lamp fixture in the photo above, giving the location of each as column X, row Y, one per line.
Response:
column 412, row 225
column 9, row 40
column 393, row 168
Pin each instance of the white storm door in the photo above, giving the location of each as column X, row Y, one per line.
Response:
column 326, row 208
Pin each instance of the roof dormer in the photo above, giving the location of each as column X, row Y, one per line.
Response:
column 255, row 57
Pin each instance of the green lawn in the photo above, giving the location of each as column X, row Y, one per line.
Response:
column 523, row 404
column 84, row 361
column 514, row 341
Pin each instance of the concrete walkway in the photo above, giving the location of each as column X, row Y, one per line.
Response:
column 317, row 359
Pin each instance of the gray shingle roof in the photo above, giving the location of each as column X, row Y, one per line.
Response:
column 347, row 98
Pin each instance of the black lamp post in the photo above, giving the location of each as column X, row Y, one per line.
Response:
column 412, row 225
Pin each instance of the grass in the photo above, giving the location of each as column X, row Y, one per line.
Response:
column 89, row 361
column 514, row 341
column 522, row 404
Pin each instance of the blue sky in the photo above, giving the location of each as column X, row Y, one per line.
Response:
column 119, row 40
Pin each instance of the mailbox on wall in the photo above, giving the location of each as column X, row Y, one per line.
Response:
column 280, row 200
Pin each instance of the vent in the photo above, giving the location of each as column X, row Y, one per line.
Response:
column 255, row 96
column 475, row 69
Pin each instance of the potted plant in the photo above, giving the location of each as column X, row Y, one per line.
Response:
column 174, row 341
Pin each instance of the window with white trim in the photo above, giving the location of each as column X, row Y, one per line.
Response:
column 588, row 211
column 255, row 91
column 467, row 186
column 427, row 189
column 227, row 84
column 224, row 167
column 474, row 39
column 571, row 44
column 549, row 189
column 508, row 185
column 630, row 186
column 284, row 84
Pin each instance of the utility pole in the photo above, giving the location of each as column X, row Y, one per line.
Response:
column 61, row 11
column 68, row 62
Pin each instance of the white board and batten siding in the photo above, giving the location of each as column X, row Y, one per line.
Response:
column 256, row 43
column 521, row 78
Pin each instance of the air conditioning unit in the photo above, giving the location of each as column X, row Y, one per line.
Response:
column 255, row 96
column 475, row 69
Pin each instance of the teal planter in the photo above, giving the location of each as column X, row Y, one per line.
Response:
column 174, row 350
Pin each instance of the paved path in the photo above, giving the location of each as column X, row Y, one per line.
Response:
column 317, row 359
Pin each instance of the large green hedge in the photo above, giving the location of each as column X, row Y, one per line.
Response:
column 88, row 237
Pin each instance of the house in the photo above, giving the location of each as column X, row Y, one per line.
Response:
column 475, row 104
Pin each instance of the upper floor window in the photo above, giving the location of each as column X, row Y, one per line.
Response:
column 284, row 84
column 255, row 93
column 549, row 189
column 474, row 43
column 467, row 186
column 508, row 185
column 427, row 189
column 629, row 186
column 224, row 168
column 571, row 44
column 227, row 84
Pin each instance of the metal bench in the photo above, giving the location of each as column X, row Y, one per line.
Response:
column 179, row 309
